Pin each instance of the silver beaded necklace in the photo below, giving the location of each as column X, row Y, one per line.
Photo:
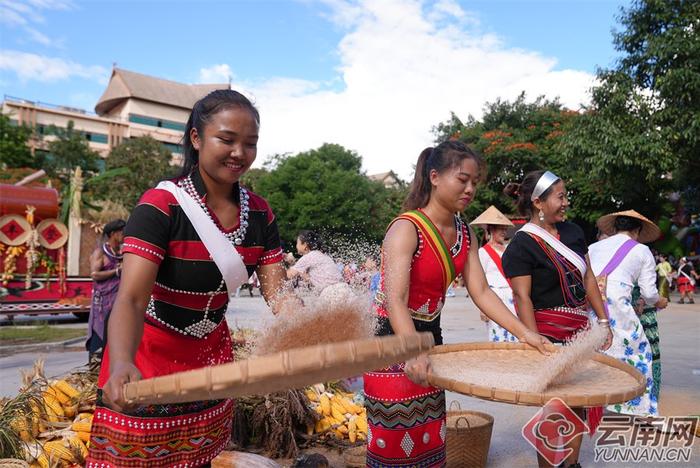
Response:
column 236, row 237
column 458, row 242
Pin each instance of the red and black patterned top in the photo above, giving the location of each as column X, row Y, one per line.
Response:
column 189, row 284
column 426, row 289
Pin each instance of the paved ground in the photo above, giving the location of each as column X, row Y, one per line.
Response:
column 680, row 396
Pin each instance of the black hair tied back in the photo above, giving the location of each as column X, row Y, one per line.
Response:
column 628, row 224
column 312, row 239
column 202, row 112
column 444, row 156
column 112, row 227
column 522, row 192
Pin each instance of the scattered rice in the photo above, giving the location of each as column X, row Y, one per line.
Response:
column 533, row 372
column 338, row 314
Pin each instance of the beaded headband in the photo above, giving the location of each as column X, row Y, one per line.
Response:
column 546, row 180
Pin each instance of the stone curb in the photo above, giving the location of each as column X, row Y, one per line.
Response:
column 53, row 344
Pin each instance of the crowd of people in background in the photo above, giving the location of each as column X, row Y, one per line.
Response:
column 677, row 275
column 673, row 274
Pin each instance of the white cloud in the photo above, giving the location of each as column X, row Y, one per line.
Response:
column 29, row 66
column 39, row 37
column 216, row 74
column 405, row 66
column 25, row 14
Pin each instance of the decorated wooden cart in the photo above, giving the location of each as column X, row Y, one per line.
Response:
column 44, row 263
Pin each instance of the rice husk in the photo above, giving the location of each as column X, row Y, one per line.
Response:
column 338, row 314
column 534, row 374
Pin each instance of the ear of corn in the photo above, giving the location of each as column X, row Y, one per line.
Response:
column 84, row 436
column 81, row 426
column 67, row 388
column 337, row 414
column 57, row 451
column 43, row 461
column 311, row 395
column 50, row 402
column 342, row 417
column 325, row 404
column 51, row 416
column 22, row 428
column 58, row 395
column 84, row 416
column 77, row 444
column 362, row 424
column 70, row 411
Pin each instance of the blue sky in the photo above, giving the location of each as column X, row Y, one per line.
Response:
column 359, row 73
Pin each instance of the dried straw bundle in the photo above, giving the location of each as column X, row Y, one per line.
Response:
column 339, row 314
column 273, row 423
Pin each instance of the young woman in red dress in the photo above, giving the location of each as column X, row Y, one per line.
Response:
column 169, row 313
column 423, row 250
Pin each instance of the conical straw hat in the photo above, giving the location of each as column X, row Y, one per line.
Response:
column 492, row 216
column 649, row 233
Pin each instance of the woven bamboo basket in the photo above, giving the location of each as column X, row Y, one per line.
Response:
column 468, row 437
column 228, row 459
column 355, row 457
column 294, row 368
column 601, row 381
column 13, row 463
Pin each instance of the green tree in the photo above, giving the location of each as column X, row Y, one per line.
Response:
column 14, row 151
column 252, row 177
column 69, row 150
column 513, row 138
column 661, row 43
column 147, row 161
column 324, row 189
column 614, row 158
column 644, row 121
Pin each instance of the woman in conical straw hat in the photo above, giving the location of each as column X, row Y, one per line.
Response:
column 496, row 225
column 620, row 262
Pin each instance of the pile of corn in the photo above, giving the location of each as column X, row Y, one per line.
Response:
column 340, row 416
column 59, row 429
column 52, row 419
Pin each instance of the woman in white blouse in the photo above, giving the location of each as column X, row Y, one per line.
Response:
column 628, row 231
column 496, row 225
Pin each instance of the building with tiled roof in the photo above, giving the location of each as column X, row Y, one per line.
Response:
column 388, row 179
column 131, row 106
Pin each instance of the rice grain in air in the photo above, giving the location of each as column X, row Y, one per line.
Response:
column 338, row 314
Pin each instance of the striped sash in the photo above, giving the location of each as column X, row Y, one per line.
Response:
column 436, row 243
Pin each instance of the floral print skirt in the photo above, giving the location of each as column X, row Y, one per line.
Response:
column 631, row 346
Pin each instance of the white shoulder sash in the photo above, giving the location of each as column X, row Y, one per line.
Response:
column 557, row 245
column 224, row 254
